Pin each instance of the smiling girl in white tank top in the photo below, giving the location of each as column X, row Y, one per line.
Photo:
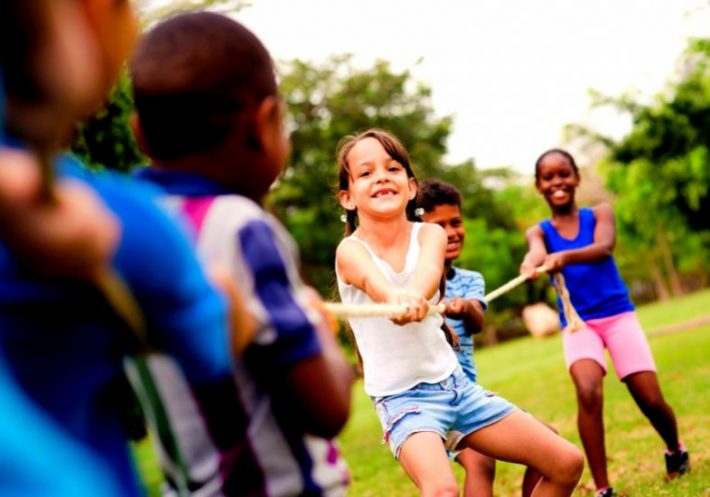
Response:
column 423, row 399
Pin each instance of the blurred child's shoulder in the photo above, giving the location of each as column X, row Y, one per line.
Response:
column 230, row 214
column 467, row 273
column 240, row 209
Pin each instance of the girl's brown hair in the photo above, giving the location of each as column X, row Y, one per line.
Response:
column 394, row 149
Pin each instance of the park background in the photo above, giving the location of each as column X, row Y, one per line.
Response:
column 655, row 170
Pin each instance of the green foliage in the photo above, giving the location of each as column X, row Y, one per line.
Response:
column 660, row 172
column 106, row 140
column 151, row 13
column 673, row 136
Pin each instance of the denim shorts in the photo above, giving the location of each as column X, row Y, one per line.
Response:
column 452, row 408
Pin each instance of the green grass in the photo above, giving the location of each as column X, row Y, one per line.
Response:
column 531, row 374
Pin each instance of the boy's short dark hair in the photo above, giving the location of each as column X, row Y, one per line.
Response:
column 434, row 192
column 195, row 77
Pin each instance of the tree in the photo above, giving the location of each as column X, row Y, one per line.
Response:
column 661, row 174
column 105, row 139
column 151, row 13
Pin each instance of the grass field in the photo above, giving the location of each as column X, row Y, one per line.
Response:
column 531, row 373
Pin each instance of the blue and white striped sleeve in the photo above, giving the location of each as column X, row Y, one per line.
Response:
column 474, row 287
column 296, row 337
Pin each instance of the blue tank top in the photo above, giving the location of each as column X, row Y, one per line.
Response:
column 596, row 289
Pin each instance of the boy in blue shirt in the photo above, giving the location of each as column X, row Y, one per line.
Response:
column 440, row 203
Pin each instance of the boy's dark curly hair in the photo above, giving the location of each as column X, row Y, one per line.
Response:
column 434, row 192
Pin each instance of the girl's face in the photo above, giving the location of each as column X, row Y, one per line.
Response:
column 557, row 181
column 379, row 185
column 449, row 217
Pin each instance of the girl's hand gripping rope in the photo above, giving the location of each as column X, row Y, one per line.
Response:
column 416, row 307
column 526, row 274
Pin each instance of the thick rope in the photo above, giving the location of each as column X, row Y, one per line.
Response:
column 345, row 311
column 511, row 284
column 574, row 322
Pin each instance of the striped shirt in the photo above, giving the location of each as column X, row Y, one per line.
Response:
column 234, row 440
column 471, row 286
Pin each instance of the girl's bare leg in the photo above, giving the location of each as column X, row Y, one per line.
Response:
column 424, row 459
column 521, row 439
column 588, row 379
column 480, row 473
column 646, row 392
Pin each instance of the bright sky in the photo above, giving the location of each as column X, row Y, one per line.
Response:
column 512, row 72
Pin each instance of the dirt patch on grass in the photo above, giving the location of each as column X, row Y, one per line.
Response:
column 673, row 328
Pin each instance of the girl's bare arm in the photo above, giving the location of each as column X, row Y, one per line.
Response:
column 601, row 248
column 537, row 252
column 430, row 266
column 356, row 267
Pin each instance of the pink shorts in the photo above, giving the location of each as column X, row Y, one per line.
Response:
column 621, row 334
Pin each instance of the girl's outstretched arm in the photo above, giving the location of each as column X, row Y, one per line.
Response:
column 601, row 248
column 430, row 266
column 356, row 267
column 537, row 252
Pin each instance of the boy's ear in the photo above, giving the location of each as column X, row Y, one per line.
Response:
column 137, row 129
column 267, row 122
column 346, row 200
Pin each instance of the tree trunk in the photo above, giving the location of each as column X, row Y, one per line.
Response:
column 490, row 335
column 658, row 283
column 669, row 265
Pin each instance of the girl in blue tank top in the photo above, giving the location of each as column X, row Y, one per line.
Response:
column 579, row 243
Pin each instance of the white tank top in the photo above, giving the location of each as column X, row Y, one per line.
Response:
column 396, row 358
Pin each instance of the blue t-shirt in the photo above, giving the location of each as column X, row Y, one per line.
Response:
column 37, row 459
column 471, row 286
column 65, row 344
column 596, row 289
column 31, row 443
